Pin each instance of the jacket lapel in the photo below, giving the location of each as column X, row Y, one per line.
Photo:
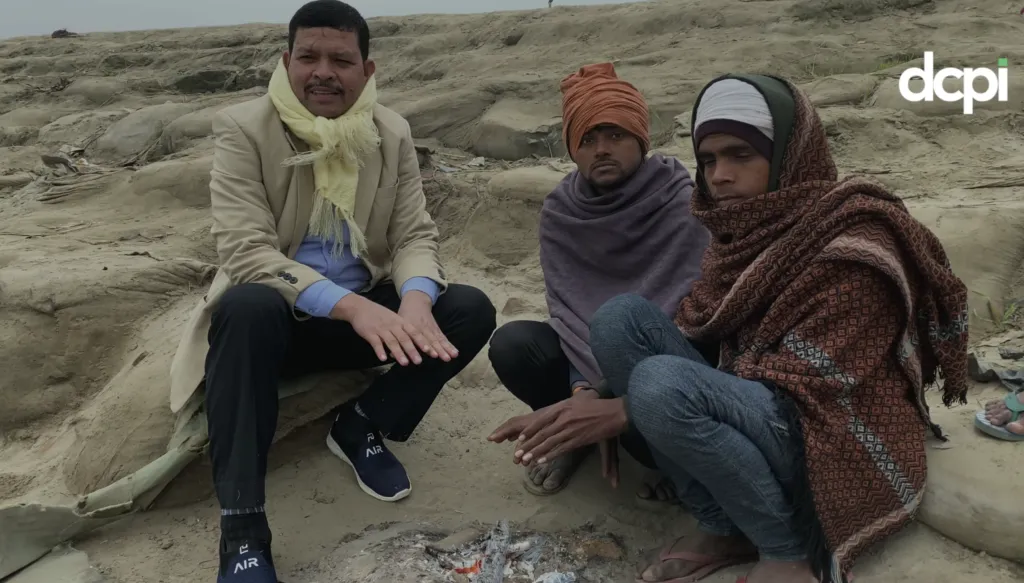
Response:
column 304, row 191
column 366, row 190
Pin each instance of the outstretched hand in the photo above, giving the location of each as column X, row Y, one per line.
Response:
column 402, row 335
column 563, row 427
column 417, row 310
column 384, row 330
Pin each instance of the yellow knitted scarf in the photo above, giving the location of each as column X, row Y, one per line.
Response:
column 337, row 150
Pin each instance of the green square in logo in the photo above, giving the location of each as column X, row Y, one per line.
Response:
column 1003, row 62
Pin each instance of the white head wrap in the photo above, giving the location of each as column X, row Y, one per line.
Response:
column 735, row 100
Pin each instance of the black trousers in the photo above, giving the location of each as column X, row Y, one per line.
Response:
column 255, row 341
column 528, row 359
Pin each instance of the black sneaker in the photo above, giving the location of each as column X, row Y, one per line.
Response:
column 358, row 444
column 250, row 564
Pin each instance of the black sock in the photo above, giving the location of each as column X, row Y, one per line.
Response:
column 351, row 424
column 238, row 528
column 250, row 527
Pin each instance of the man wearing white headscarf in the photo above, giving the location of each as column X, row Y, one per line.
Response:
column 802, row 442
column 734, row 120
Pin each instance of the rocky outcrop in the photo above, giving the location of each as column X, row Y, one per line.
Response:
column 513, row 129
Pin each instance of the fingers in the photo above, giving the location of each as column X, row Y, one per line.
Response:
column 439, row 343
column 420, row 338
column 395, row 347
column 437, row 349
column 613, row 476
column 378, row 346
column 429, row 339
column 538, row 448
column 408, row 345
column 526, row 452
column 610, row 462
column 557, row 445
column 524, row 429
column 402, row 338
column 613, row 465
column 543, row 425
column 447, row 347
column 508, row 430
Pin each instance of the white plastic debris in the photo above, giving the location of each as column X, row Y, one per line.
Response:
column 557, row 577
column 492, row 567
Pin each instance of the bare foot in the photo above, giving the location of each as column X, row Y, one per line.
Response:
column 657, row 488
column 999, row 415
column 551, row 477
column 702, row 550
column 781, row 572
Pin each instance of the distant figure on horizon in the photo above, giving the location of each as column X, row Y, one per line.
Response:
column 549, row 3
column 329, row 262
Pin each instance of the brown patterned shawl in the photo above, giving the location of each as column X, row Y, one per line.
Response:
column 835, row 295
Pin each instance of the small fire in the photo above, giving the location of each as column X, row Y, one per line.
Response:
column 468, row 568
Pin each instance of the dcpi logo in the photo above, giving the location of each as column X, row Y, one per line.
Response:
column 997, row 83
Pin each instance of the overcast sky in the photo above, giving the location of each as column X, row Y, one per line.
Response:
column 31, row 17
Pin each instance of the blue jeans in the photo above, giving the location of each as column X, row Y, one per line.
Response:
column 719, row 437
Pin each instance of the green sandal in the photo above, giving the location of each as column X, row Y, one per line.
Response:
column 998, row 431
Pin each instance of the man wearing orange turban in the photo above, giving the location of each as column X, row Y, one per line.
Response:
column 593, row 97
column 621, row 223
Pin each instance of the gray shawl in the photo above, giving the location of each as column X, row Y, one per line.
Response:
column 641, row 238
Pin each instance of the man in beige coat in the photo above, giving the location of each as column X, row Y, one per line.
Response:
column 329, row 261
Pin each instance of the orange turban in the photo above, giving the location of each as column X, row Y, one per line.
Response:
column 594, row 95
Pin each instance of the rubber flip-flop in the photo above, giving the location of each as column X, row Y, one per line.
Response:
column 708, row 564
column 999, row 431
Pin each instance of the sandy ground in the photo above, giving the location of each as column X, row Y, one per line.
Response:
column 99, row 265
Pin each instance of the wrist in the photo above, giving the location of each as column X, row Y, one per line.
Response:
column 416, row 297
column 346, row 307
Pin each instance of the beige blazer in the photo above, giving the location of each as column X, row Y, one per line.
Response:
column 261, row 211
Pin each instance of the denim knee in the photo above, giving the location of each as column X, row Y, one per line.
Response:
column 662, row 396
column 614, row 318
column 658, row 393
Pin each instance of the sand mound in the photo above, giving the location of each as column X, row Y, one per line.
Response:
column 974, row 485
column 105, row 246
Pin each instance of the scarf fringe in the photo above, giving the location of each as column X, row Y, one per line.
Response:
column 329, row 222
column 805, row 514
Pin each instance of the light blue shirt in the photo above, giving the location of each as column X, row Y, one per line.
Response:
column 345, row 275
